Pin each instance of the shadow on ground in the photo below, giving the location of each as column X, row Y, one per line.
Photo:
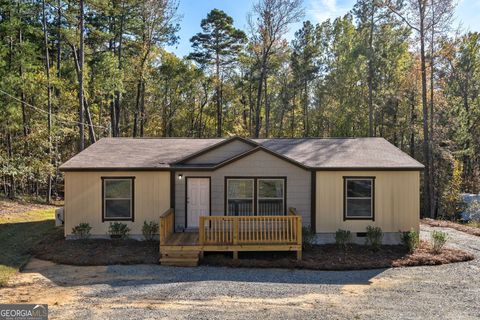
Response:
column 125, row 275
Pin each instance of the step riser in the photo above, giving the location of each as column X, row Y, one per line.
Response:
column 180, row 254
column 180, row 258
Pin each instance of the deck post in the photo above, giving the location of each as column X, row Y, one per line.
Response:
column 299, row 237
column 235, row 255
column 201, row 230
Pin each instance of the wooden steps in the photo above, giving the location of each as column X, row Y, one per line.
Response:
column 180, row 258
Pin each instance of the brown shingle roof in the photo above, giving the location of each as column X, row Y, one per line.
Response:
column 159, row 153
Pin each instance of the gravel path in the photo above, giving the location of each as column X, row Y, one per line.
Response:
column 152, row 291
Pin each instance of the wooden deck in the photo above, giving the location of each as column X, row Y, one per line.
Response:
column 230, row 233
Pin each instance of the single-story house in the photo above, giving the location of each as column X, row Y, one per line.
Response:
column 334, row 183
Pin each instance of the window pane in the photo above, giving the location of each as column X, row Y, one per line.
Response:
column 270, row 188
column 240, row 189
column 359, row 208
column 116, row 188
column 270, row 207
column 240, row 207
column 359, row 188
column 117, row 209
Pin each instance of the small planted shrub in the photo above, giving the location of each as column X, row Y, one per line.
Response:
column 374, row 237
column 82, row 231
column 343, row 238
column 150, row 230
column 118, row 230
column 411, row 240
column 308, row 237
column 439, row 238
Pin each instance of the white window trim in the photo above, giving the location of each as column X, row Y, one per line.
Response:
column 269, row 198
column 253, row 193
column 107, row 218
column 372, row 190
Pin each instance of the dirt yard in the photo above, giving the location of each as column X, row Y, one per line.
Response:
column 151, row 291
column 10, row 206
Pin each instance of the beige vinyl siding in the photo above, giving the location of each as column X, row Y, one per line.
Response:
column 221, row 153
column 83, row 199
column 397, row 201
column 257, row 164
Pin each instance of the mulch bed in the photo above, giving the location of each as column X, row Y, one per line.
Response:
column 95, row 252
column 322, row 257
column 329, row 257
column 449, row 224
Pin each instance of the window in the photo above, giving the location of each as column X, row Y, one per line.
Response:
column 240, row 197
column 263, row 196
column 117, row 198
column 359, row 198
column 271, row 197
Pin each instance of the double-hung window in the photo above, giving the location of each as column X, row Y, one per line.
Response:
column 117, row 197
column 240, row 197
column 359, row 194
column 271, row 197
column 255, row 196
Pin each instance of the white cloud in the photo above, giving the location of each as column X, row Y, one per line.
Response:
column 321, row 10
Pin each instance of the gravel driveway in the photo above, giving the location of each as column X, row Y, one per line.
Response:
column 153, row 291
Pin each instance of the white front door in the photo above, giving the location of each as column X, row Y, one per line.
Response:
column 198, row 200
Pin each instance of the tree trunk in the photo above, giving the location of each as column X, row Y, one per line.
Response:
column 218, row 95
column 22, row 91
column 81, row 133
column 412, row 124
column 142, row 109
column 426, row 139
column 259, row 98
column 59, row 39
column 267, row 108
column 86, row 109
column 370, row 73
column 49, row 100
column 306, row 132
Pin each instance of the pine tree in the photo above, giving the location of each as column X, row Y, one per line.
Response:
column 219, row 45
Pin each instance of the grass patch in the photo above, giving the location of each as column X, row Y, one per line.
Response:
column 19, row 233
column 474, row 224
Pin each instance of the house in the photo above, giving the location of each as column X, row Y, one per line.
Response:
column 337, row 183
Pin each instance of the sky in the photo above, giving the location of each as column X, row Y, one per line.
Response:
column 193, row 11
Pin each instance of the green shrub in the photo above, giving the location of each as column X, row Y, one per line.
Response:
column 439, row 238
column 308, row 237
column 150, row 230
column 411, row 240
column 82, row 231
column 118, row 230
column 374, row 237
column 343, row 238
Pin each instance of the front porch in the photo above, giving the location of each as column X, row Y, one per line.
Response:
column 229, row 234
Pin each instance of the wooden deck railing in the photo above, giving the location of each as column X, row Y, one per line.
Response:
column 166, row 225
column 245, row 230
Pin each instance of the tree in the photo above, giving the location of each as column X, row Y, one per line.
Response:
column 305, row 65
column 269, row 22
column 415, row 14
column 219, row 45
column 49, row 98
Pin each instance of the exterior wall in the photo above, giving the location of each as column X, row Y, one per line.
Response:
column 397, row 203
column 221, row 153
column 83, row 199
column 258, row 164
